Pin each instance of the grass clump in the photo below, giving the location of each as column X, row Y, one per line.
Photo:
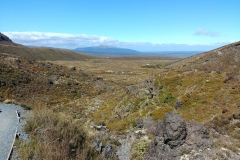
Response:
column 160, row 112
column 138, row 149
column 54, row 137
column 25, row 107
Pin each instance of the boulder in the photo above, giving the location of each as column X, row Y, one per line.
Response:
column 178, row 105
column 198, row 136
column 174, row 138
column 174, row 129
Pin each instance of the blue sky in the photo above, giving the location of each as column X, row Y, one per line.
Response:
column 145, row 25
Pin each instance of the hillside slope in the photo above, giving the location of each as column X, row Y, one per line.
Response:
column 118, row 108
column 225, row 58
column 38, row 53
column 204, row 88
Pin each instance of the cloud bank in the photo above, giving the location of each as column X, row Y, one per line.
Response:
column 72, row 41
column 203, row 32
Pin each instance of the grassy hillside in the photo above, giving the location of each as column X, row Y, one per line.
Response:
column 48, row 90
column 201, row 88
column 216, row 59
column 117, row 93
column 40, row 53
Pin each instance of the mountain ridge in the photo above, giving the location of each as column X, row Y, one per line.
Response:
column 105, row 49
column 7, row 46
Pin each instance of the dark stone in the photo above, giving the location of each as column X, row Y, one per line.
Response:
column 149, row 81
column 151, row 89
column 139, row 123
column 175, row 137
column 73, row 68
column 198, row 136
column 99, row 79
column 159, row 128
column 178, row 105
column 224, row 110
column 2, row 83
column 157, row 150
column 174, row 129
column 236, row 116
column 49, row 81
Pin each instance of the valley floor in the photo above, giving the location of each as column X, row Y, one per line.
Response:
column 100, row 103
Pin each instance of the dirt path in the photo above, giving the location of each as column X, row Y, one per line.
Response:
column 8, row 124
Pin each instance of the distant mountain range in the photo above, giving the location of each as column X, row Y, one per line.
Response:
column 104, row 50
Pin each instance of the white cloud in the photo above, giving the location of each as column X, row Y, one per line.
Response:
column 72, row 41
column 203, row 32
column 60, row 40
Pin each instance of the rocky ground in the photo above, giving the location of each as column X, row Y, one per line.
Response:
column 170, row 139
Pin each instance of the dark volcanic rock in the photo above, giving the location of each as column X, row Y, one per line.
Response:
column 157, row 150
column 4, row 38
column 198, row 136
column 174, row 129
column 178, row 105
column 159, row 128
column 175, row 138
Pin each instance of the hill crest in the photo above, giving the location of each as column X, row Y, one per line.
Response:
column 220, row 59
column 7, row 46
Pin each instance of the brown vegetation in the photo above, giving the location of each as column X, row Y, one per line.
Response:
column 117, row 92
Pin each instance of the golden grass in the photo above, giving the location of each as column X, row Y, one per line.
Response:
column 204, row 94
column 53, row 136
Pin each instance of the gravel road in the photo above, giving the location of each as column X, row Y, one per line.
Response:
column 9, row 122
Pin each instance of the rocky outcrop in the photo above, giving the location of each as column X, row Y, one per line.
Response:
column 175, row 137
column 4, row 38
column 174, row 130
column 198, row 136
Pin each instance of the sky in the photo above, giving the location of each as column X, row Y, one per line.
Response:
column 143, row 25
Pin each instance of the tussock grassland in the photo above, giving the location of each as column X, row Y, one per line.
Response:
column 54, row 136
column 117, row 92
